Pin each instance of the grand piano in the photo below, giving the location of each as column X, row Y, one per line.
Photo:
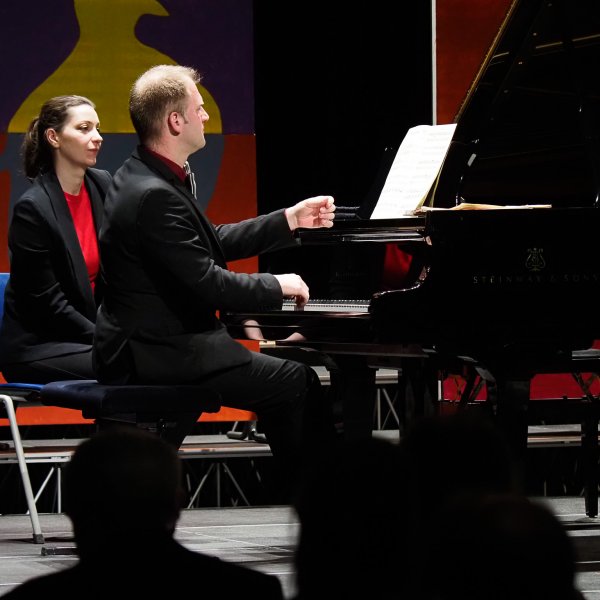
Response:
column 501, row 293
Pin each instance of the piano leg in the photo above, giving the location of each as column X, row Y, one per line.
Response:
column 589, row 444
column 354, row 393
column 418, row 392
column 511, row 399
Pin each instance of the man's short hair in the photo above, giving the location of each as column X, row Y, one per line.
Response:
column 156, row 93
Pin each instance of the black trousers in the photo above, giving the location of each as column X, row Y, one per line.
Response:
column 292, row 410
column 54, row 368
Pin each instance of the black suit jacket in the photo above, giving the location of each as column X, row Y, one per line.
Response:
column 49, row 308
column 165, row 268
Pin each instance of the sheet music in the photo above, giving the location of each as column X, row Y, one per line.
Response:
column 414, row 170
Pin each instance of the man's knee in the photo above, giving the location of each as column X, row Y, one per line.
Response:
column 308, row 383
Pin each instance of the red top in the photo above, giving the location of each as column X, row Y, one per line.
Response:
column 81, row 211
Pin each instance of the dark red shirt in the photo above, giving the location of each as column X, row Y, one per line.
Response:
column 179, row 171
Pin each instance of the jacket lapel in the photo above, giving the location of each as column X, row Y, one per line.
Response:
column 67, row 233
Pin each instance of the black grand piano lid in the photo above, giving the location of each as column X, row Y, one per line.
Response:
column 528, row 131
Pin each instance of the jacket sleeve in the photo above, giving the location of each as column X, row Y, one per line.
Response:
column 251, row 237
column 173, row 238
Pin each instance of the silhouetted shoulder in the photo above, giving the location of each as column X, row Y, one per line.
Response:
column 183, row 572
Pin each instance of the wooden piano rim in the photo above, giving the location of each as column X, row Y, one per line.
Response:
column 364, row 348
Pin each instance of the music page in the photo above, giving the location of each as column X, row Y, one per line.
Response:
column 414, row 170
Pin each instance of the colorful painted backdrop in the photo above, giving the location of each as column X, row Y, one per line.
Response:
column 97, row 48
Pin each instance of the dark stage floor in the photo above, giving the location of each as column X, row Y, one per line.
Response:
column 262, row 538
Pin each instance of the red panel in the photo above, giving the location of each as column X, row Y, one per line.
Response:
column 229, row 414
column 50, row 415
column 234, row 198
column 465, row 29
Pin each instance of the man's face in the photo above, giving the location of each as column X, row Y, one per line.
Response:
column 195, row 117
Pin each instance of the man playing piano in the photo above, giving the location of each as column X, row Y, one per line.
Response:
column 166, row 276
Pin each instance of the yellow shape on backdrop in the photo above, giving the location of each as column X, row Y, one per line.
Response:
column 104, row 64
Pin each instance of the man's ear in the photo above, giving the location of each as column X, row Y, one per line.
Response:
column 174, row 122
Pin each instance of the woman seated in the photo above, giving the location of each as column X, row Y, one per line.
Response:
column 54, row 286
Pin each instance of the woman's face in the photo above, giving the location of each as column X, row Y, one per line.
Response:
column 77, row 144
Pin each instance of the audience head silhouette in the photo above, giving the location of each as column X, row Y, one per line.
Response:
column 456, row 454
column 123, row 493
column 350, row 510
column 447, row 457
column 501, row 546
column 122, row 482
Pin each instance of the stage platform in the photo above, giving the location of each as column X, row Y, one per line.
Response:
column 261, row 538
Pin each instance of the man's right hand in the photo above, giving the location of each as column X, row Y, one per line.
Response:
column 293, row 286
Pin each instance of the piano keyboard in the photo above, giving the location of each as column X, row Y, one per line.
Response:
column 349, row 306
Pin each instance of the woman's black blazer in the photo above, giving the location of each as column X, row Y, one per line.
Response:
column 49, row 306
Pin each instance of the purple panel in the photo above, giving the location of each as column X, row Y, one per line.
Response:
column 215, row 37
column 35, row 37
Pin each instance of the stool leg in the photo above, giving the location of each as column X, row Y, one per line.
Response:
column 38, row 536
column 176, row 430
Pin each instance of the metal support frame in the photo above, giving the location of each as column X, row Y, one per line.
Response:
column 215, row 468
column 383, row 395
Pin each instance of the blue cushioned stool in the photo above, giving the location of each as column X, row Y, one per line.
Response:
column 156, row 408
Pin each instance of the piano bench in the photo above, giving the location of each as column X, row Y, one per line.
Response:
column 155, row 408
